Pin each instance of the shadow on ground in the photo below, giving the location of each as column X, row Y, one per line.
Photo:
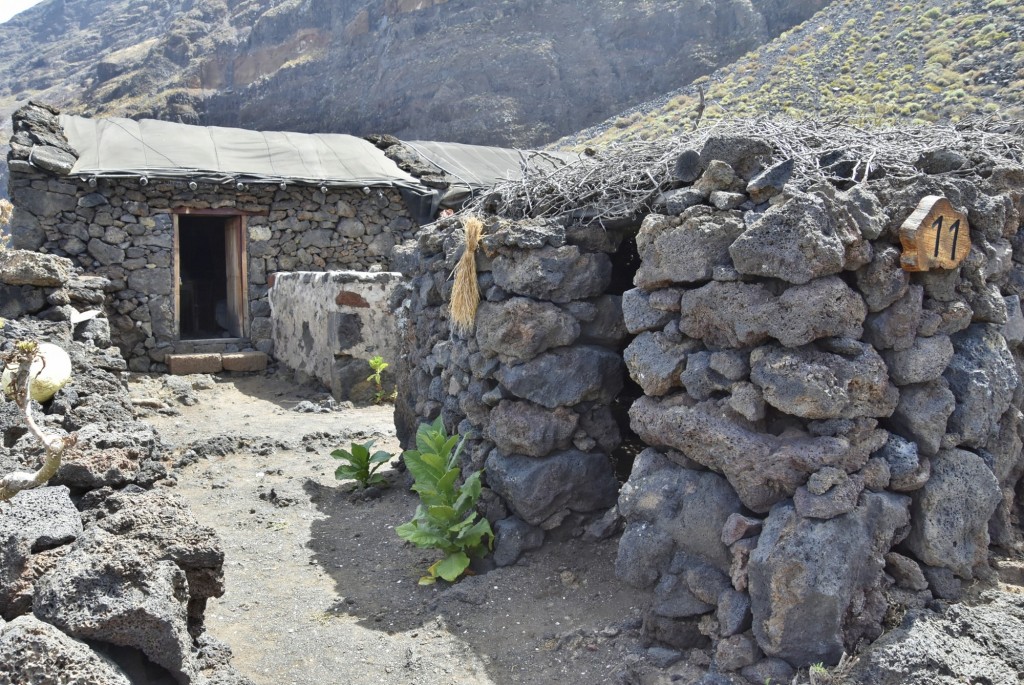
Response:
column 560, row 610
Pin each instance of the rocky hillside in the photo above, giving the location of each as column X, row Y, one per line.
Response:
column 873, row 61
column 497, row 72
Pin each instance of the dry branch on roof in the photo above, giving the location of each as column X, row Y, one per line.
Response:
column 623, row 180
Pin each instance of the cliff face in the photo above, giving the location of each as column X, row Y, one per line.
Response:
column 497, row 71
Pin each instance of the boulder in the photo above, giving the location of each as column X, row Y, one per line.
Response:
column 923, row 361
column 24, row 267
column 700, row 379
column 828, row 493
column 736, row 652
column 518, row 329
column 895, row 327
column 36, row 653
column 512, row 537
column 763, row 468
column 950, row 514
column 566, row 376
column 747, row 155
column 537, row 489
column 157, row 525
column 692, row 506
column 644, row 553
column 922, row 414
column 1004, row 455
column 882, row 282
column 526, row 428
column 685, row 253
column 43, row 518
column 53, row 159
column 824, row 308
column 814, row 384
column 104, row 591
column 905, row 571
column 806, row 576
column 557, row 274
column 983, row 377
column 718, row 176
column 733, row 612
column 907, row 470
column 675, row 202
column 734, row 315
column 674, row 599
column 640, row 315
column 770, row 182
column 794, row 241
column 976, row 642
column 726, row 314
column 655, row 361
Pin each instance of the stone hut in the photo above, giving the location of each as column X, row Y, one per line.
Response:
column 801, row 425
column 188, row 222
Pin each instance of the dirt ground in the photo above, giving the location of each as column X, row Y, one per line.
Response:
column 320, row 588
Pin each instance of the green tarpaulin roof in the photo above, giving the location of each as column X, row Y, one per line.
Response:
column 480, row 166
column 161, row 149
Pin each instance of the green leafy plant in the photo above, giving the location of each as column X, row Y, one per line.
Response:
column 446, row 518
column 377, row 378
column 818, row 674
column 360, row 465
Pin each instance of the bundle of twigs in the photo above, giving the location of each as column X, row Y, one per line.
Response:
column 623, row 179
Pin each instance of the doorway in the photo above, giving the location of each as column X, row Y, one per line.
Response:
column 210, row 277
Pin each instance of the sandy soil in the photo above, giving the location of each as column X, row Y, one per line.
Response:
column 319, row 587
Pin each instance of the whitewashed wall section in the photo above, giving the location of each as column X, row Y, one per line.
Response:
column 327, row 325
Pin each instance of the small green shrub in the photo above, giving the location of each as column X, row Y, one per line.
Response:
column 446, row 517
column 377, row 364
column 359, row 465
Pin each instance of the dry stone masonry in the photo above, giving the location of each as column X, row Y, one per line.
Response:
column 534, row 384
column 103, row 578
column 826, row 437
column 124, row 231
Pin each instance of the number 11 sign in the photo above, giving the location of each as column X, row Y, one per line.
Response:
column 935, row 236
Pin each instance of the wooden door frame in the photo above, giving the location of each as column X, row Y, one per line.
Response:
column 234, row 221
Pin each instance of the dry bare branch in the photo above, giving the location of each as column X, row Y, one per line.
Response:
column 623, row 179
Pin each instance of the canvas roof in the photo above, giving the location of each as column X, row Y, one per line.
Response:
column 480, row 166
column 118, row 147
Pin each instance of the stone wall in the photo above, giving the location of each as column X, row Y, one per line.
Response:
column 829, row 437
column 104, row 578
column 328, row 325
column 123, row 230
column 830, row 434
column 535, row 382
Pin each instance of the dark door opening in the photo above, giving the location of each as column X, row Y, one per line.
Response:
column 210, row 283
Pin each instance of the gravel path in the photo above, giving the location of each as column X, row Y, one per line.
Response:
column 320, row 589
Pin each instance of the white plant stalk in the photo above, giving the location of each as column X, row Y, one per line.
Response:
column 10, row 485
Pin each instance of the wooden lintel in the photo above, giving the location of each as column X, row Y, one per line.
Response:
column 220, row 211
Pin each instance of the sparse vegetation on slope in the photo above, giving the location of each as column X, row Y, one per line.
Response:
column 874, row 61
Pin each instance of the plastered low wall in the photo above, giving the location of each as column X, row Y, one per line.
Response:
column 328, row 325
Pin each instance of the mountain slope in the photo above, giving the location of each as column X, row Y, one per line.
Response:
column 874, row 61
column 501, row 71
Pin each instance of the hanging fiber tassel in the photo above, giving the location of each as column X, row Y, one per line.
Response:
column 465, row 293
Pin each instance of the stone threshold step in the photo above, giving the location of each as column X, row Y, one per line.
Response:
column 215, row 362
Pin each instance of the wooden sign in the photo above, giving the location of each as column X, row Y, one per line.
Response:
column 935, row 236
